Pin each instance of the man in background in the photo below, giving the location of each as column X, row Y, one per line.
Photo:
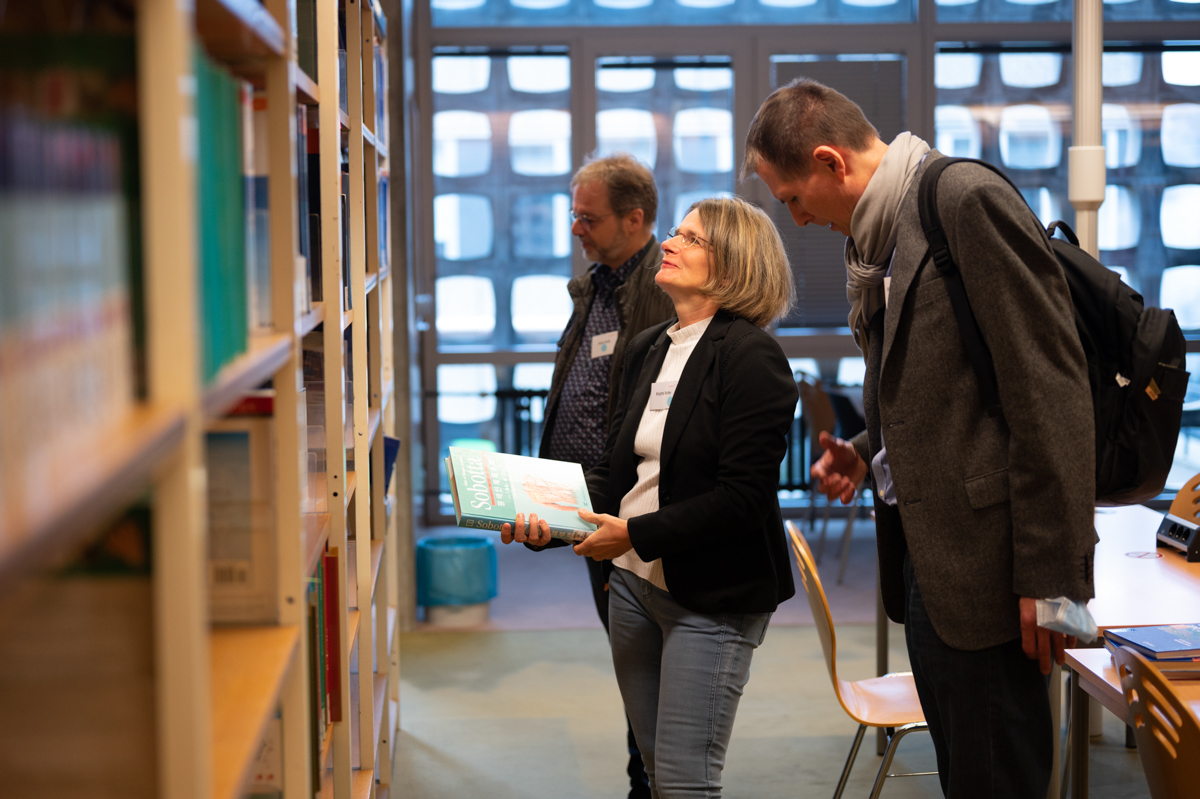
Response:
column 614, row 203
column 979, row 514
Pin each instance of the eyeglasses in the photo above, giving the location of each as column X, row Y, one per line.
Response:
column 587, row 220
column 688, row 241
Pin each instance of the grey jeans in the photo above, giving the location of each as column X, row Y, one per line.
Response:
column 681, row 676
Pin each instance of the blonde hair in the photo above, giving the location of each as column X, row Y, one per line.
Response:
column 749, row 273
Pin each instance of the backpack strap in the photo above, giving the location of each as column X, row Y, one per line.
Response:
column 939, row 248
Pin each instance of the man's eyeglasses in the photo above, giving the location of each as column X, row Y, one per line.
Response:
column 587, row 220
column 686, row 240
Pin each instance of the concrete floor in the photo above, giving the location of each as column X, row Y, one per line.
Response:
column 527, row 705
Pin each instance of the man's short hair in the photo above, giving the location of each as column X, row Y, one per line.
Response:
column 630, row 184
column 748, row 269
column 798, row 118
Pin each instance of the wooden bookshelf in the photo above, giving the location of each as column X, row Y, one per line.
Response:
column 248, row 669
column 99, row 475
column 264, row 356
column 216, row 690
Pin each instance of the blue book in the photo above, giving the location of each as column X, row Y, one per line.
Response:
column 1165, row 642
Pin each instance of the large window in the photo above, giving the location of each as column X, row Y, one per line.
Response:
column 513, row 95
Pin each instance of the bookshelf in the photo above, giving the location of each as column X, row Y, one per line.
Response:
column 213, row 697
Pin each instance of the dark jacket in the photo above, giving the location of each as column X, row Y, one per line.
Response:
column 718, row 529
column 640, row 304
column 992, row 508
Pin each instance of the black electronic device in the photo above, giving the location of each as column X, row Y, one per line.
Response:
column 1180, row 534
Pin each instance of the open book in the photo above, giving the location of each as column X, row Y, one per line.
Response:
column 491, row 488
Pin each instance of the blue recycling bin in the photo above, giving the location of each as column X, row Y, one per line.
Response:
column 455, row 570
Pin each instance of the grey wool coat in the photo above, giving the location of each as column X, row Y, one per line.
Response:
column 640, row 304
column 992, row 508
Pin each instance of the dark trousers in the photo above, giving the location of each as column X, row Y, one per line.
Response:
column 598, row 572
column 988, row 711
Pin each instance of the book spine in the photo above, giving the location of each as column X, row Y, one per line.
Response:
column 333, row 640
column 562, row 533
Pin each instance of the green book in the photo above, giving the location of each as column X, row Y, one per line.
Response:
column 491, row 488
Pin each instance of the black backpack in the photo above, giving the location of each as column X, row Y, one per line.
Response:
column 1134, row 356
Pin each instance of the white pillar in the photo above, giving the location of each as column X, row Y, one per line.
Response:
column 1086, row 164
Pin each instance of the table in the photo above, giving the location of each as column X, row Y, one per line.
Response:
column 1137, row 585
column 1094, row 674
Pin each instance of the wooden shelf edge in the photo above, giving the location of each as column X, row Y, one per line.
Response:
column 376, row 561
column 344, row 120
column 379, row 686
column 392, row 627
column 307, row 90
column 326, row 748
column 248, row 667
column 237, row 30
column 372, row 281
column 352, row 619
column 265, row 356
column 351, row 484
column 347, row 319
column 309, row 321
column 316, row 534
column 380, row 19
column 369, row 136
column 103, row 475
column 374, row 415
column 393, row 728
column 385, row 273
column 361, row 783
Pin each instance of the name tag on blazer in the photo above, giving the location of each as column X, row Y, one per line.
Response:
column 661, row 394
column 604, row 343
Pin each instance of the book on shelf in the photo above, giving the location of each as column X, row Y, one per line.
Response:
column 333, row 632
column 311, row 193
column 344, row 199
column 306, row 37
column 318, row 691
column 343, row 85
column 303, row 215
column 221, row 213
column 242, row 557
column 258, row 216
column 491, row 488
column 71, row 326
column 1163, row 642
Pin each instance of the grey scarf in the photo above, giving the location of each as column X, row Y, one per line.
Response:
column 873, row 231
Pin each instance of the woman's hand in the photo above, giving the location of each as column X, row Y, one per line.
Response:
column 611, row 539
column 840, row 471
column 537, row 533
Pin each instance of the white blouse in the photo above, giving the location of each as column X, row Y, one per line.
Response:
column 643, row 497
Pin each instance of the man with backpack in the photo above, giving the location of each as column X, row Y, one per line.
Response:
column 982, row 508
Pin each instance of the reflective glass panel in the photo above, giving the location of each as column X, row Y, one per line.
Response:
column 679, row 123
column 1044, row 203
column 687, row 199
column 1122, row 137
column 627, row 130
column 1181, row 68
column 957, row 70
column 539, row 74
column 462, row 143
column 466, row 307
column 541, row 226
column 466, row 393
column 539, row 142
column 1121, row 69
column 1181, row 291
column 461, row 74
column 1120, row 224
column 462, row 226
column 958, row 133
column 1030, row 70
column 1029, row 137
column 1035, row 11
column 541, row 307
column 1179, row 217
column 666, row 13
column 533, row 376
column 1180, row 135
column 851, row 371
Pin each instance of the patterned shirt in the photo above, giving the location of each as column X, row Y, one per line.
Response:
column 581, row 421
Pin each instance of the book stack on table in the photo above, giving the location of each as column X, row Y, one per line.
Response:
column 1174, row 648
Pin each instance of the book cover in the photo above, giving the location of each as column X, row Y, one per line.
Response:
column 1165, row 642
column 491, row 488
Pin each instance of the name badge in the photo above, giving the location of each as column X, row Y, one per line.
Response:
column 604, row 344
column 661, row 394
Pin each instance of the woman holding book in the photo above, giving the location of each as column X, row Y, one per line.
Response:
column 685, row 493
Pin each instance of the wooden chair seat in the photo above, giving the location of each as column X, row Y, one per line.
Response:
column 889, row 701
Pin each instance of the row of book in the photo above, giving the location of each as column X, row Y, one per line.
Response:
column 69, row 254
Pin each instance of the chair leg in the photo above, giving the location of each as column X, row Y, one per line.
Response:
column 824, row 527
column 891, row 753
column 858, row 739
column 846, row 536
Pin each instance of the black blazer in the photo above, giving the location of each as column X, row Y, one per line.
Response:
column 718, row 529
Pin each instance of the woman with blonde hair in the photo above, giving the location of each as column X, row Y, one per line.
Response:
column 686, row 493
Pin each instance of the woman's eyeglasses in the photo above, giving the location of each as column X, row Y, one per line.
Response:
column 685, row 239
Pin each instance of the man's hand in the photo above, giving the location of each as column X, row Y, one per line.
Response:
column 611, row 539
column 537, row 533
column 1039, row 643
column 840, row 471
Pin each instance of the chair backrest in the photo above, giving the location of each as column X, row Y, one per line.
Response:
column 816, row 600
column 818, row 412
column 1168, row 733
